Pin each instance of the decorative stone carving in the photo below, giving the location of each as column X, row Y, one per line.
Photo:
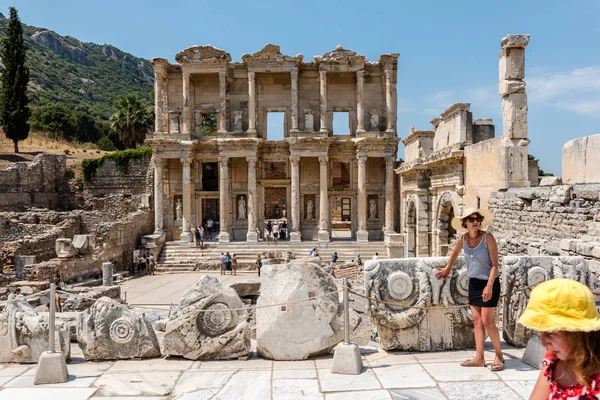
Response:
column 108, row 331
column 242, row 208
column 309, row 122
column 372, row 209
column 520, row 272
column 204, row 327
column 64, row 248
column 297, row 331
column 309, row 209
column 178, row 210
column 24, row 333
column 271, row 53
column 412, row 282
column 237, row 120
column 20, row 263
column 203, row 54
column 374, row 120
column 341, row 55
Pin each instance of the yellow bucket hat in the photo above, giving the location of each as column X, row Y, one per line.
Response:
column 561, row 305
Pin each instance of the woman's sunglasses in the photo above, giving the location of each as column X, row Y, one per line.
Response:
column 471, row 219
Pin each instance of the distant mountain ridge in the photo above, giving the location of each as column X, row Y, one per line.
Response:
column 82, row 76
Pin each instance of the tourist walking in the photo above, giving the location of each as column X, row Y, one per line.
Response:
column 358, row 260
column 198, row 233
column 227, row 262
column 234, row 264
column 565, row 314
column 334, row 259
column 481, row 257
column 209, row 227
column 275, row 231
column 259, row 264
column 376, row 256
column 151, row 263
column 222, row 263
column 314, row 252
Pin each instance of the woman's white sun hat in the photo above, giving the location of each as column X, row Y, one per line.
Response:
column 457, row 220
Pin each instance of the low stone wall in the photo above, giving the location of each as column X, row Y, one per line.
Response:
column 109, row 179
column 580, row 161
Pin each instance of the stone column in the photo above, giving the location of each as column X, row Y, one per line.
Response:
column 362, row 235
column 186, row 235
column 161, row 99
column 224, row 200
column 222, row 102
column 360, row 107
column 251, row 103
column 186, row 114
column 294, row 76
column 323, row 234
column 389, row 194
column 252, row 234
column 158, row 194
column 295, row 235
column 513, row 152
column 323, row 99
column 389, row 100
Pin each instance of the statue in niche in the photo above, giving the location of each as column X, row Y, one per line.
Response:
column 242, row 208
column 309, row 124
column 309, row 209
column 178, row 210
column 238, row 120
column 372, row 209
column 175, row 123
column 374, row 120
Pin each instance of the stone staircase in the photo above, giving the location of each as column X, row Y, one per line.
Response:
column 177, row 258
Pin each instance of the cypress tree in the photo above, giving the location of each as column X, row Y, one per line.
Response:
column 14, row 110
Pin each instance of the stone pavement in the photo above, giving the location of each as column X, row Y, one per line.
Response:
column 385, row 376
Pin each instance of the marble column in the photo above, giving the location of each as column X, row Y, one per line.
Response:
column 389, row 194
column 222, row 102
column 186, row 114
column 389, row 100
column 295, row 235
column 323, row 234
column 363, row 234
column 360, row 108
column 161, row 100
column 224, row 193
column 158, row 194
column 252, row 234
column 323, row 100
column 294, row 76
column 186, row 234
column 251, row 103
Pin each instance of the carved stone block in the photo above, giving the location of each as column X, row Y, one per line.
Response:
column 412, row 282
column 83, row 244
column 64, row 248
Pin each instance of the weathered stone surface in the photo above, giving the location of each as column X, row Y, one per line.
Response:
column 514, row 114
column 21, row 262
column 24, row 333
column 560, row 194
column 83, row 244
column 551, row 181
column 297, row 331
column 64, row 248
column 108, row 330
column 515, row 40
column 412, row 282
column 580, row 161
column 247, row 287
column 210, row 323
column 520, row 272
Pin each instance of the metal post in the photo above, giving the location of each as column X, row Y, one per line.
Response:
column 52, row 314
column 346, row 314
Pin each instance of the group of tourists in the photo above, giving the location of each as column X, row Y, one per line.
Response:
column 205, row 230
column 143, row 264
column 563, row 311
column 275, row 231
column 228, row 263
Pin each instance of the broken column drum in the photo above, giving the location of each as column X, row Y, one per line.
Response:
column 412, row 282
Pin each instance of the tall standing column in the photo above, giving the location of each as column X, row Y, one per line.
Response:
column 224, row 200
column 252, row 234
column 389, row 195
column 222, row 102
column 323, row 100
column 251, row 103
column 186, row 103
column 360, row 108
column 363, row 234
column 158, row 194
column 295, row 235
column 389, row 100
column 161, row 99
column 186, row 235
column 323, row 234
column 294, row 76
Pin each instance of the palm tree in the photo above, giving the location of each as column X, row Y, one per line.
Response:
column 131, row 120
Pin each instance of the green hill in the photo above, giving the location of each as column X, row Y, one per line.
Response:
column 82, row 76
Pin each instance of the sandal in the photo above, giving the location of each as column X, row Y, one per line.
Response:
column 470, row 363
column 497, row 366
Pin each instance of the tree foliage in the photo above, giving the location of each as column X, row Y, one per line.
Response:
column 132, row 120
column 14, row 110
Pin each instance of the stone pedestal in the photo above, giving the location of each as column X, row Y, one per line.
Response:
column 250, row 237
column 346, row 359
column 295, row 237
column 394, row 242
column 52, row 368
column 534, row 353
column 362, row 236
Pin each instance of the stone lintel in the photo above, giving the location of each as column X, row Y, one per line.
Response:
column 455, row 109
column 514, row 40
column 483, row 121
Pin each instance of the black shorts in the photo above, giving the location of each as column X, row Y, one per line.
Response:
column 476, row 287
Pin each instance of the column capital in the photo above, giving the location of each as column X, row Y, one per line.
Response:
column 362, row 159
column 294, row 74
column 187, row 162
column 223, row 74
column 323, row 160
column 389, row 161
column 251, row 75
column 360, row 74
column 295, row 160
column 322, row 74
column 251, row 159
column 158, row 162
column 223, row 161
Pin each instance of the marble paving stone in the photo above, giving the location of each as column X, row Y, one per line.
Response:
column 192, row 381
column 127, row 398
column 252, row 364
column 517, row 370
column 366, row 380
column 202, row 394
column 523, row 388
column 324, row 362
column 403, row 376
column 292, row 389
column 80, row 375
column 137, row 384
column 304, row 364
column 450, row 372
column 151, row 365
column 12, row 371
column 417, row 394
column 247, row 385
column 46, row 393
column 478, row 391
column 455, row 356
column 295, row 374
column 392, row 359
column 360, row 395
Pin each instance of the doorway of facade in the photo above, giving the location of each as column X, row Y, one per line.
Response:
column 341, row 219
column 276, row 209
column 210, row 209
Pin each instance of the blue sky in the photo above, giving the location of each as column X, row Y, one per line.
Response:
column 449, row 49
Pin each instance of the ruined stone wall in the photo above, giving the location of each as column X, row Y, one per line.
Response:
column 110, row 179
column 481, row 168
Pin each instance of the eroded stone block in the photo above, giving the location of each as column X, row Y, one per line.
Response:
column 64, row 248
column 412, row 282
column 83, row 244
column 514, row 115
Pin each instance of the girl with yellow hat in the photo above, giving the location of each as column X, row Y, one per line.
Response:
column 565, row 314
column 481, row 258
